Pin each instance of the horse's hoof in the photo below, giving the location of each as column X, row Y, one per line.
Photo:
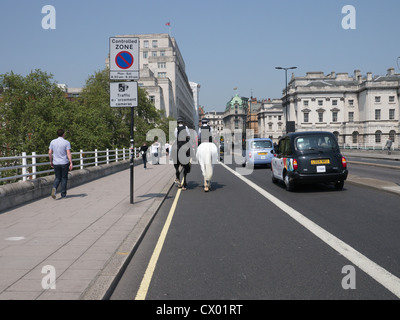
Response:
column 206, row 189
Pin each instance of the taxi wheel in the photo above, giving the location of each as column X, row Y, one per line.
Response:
column 289, row 184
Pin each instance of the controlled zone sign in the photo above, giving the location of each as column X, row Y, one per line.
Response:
column 123, row 94
column 124, row 58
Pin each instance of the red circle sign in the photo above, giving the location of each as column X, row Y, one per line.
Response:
column 124, row 60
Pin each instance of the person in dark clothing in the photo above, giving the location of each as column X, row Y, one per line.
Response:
column 205, row 132
column 143, row 152
column 182, row 135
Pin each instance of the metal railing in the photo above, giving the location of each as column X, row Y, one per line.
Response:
column 357, row 146
column 25, row 167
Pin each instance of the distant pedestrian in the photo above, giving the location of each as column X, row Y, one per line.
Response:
column 167, row 147
column 143, row 151
column 155, row 150
column 388, row 145
column 61, row 160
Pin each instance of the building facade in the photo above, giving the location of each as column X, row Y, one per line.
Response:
column 235, row 118
column 196, row 91
column 363, row 112
column 163, row 75
column 271, row 119
column 216, row 122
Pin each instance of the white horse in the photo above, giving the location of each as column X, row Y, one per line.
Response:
column 207, row 156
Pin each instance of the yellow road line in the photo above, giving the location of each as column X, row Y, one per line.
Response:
column 144, row 286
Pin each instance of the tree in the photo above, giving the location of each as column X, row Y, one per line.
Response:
column 95, row 98
column 32, row 109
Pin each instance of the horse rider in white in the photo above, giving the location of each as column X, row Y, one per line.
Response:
column 207, row 153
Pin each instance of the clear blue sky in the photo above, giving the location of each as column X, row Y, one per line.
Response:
column 225, row 43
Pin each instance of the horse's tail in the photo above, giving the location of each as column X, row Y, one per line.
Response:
column 208, row 164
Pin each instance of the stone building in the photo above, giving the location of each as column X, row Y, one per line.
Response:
column 362, row 111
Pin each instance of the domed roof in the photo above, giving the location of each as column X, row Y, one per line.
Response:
column 235, row 100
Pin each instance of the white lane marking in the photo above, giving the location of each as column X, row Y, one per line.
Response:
column 381, row 275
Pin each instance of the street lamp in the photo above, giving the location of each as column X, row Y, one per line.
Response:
column 286, row 69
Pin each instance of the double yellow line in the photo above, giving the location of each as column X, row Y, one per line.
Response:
column 144, row 286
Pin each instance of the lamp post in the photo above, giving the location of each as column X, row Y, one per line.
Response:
column 286, row 84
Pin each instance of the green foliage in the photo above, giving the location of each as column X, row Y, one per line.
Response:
column 30, row 112
column 34, row 107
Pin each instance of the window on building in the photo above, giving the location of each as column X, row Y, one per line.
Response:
column 320, row 102
column 162, row 53
column 391, row 114
column 270, row 126
column 154, row 44
column 334, row 116
column 377, row 99
column 391, row 98
column 378, row 114
column 306, row 116
column 351, row 116
column 279, row 118
column 355, row 137
column 392, row 135
column 351, row 102
column 305, row 103
column 145, row 43
column 236, row 124
column 162, row 65
column 154, row 53
column 162, row 75
column 378, row 136
column 334, row 102
column 320, row 117
column 145, row 66
column 145, row 54
column 152, row 99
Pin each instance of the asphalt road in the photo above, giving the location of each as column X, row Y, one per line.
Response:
column 234, row 243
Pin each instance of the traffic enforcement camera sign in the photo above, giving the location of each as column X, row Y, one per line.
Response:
column 124, row 58
column 123, row 94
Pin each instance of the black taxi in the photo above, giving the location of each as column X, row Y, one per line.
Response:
column 309, row 157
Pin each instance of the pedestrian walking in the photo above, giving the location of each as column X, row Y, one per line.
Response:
column 61, row 160
column 143, row 151
column 155, row 150
column 388, row 145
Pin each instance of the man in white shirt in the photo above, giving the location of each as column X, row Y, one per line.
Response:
column 61, row 160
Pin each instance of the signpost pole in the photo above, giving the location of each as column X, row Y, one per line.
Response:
column 132, row 159
column 124, row 66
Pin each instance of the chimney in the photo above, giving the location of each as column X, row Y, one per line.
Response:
column 390, row 71
column 333, row 74
column 356, row 74
column 369, row 76
column 359, row 78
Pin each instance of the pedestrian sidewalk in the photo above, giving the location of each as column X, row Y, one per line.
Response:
column 82, row 241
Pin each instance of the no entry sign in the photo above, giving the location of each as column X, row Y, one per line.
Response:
column 124, row 58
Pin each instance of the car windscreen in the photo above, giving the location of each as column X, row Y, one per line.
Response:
column 312, row 143
column 261, row 144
